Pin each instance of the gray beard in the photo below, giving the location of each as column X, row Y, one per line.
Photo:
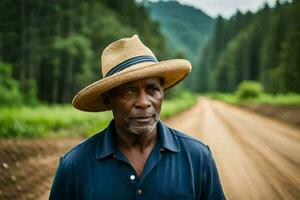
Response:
column 143, row 130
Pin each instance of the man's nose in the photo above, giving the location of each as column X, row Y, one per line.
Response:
column 142, row 100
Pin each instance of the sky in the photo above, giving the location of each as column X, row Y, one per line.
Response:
column 226, row 8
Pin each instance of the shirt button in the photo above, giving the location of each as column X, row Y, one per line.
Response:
column 132, row 177
column 140, row 191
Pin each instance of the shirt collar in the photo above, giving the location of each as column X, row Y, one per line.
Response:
column 167, row 137
column 106, row 146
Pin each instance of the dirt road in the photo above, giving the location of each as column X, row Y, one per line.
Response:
column 257, row 157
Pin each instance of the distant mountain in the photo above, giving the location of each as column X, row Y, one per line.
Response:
column 184, row 27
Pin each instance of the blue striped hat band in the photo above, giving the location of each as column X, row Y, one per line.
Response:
column 130, row 62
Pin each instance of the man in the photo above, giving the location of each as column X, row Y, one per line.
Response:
column 137, row 156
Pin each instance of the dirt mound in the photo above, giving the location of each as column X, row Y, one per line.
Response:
column 28, row 164
column 287, row 114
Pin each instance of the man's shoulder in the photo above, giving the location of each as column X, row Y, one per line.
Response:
column 82, row 150
column 190, row 143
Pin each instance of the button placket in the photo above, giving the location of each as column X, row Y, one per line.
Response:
column 132, row 177
column 140, row 191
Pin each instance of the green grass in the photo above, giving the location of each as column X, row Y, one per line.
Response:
column 289, row 99
column 64, row 120
column 176, row 105
column 43, row 120
column 280, row 99
column 227, row 97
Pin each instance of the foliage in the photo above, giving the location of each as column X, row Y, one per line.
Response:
column 280, row 99
column 61, row 120
column 261, row 47
column 9, row 88
column 187, row 31
column 248, row 90
column 287, row 99
column 41, row 120
column 175, row 91
column 227, row 97
column 177, row 104
column 53, row 47
column 30, row 93
column 185, row 34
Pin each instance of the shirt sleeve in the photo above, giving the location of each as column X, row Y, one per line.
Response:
column 63, row 184
column 211, row 187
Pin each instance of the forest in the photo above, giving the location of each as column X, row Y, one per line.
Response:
column 262, row 47
column 49, row 50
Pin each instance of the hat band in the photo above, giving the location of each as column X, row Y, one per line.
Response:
column 130, row 62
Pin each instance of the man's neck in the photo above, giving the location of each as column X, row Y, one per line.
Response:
column 134, row 142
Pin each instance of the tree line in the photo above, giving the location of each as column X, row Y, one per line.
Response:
column 263, row 47
column 49, row 50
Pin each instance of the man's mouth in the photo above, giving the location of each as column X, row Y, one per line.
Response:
column 142, row 118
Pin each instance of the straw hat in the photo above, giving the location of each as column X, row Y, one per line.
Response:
column 126, row 60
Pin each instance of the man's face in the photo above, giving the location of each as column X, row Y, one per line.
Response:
column 136, row 105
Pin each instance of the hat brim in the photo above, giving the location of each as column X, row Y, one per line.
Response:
column 171, row 71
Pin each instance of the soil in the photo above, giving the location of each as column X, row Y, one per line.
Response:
column 257, row 157
column 288, row 114
column 27, row 166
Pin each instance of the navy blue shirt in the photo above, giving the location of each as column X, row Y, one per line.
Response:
column 179, row 167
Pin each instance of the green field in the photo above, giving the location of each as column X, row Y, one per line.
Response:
column 263, row 98
column 64, row 120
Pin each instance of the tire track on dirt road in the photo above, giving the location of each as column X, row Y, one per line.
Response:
column 270, row 162
column 257, row 158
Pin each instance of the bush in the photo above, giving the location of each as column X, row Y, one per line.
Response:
column 30, row 93
column 249, row 89
column 10, row 94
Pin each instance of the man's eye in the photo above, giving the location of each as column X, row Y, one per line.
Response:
column 129, row 91
column 154, row 89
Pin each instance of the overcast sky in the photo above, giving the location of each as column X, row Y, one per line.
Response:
column 226, row 8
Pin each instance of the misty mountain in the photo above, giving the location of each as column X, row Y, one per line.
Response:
column 184, row 27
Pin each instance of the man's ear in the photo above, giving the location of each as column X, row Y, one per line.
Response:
column 105, row 99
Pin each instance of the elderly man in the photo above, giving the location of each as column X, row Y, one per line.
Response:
column 137, row 156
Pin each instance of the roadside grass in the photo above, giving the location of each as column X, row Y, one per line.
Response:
column 178, row 104
column 44, row 121
column 289, row 99
column 64, row 120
